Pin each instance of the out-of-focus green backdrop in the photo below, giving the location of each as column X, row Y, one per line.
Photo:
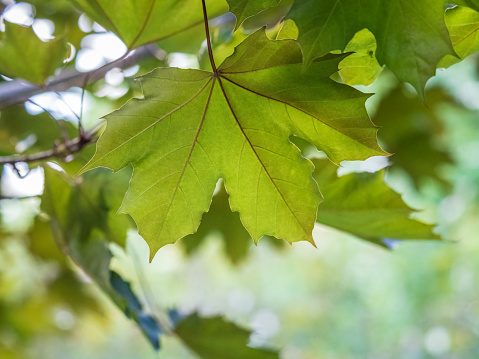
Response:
column 346, row 299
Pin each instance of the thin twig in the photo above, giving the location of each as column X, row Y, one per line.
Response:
column 59, row 151
column 18, row 91
column 208, row 39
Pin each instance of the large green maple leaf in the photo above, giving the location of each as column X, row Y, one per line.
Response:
column 193, row 127
column 140, row 22
column 411, row 35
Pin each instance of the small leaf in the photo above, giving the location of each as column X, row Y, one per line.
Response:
column 289, row 30
column 243, row 9
column 234, row 125
column 24, row 55
column 463, row 26
column 140, row 22
column 411, row 35
column 360, row 68
column 215, row 338
column 363, row 204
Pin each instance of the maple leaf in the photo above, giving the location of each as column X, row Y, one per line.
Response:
column 193, row 127
column 20, row 42
column 411, row 35
column 140, row 22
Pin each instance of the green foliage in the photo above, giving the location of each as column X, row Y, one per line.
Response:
column 411, row 35
column 244, row 9
column 409, row 128
column 39, row 132
column 221, row 220
column 19, row 42
column 362, row 204
column 256, row 122
column 463, row 25
column 141, row 22
column 361, row 67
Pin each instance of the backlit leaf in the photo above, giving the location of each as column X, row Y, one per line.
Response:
column 140, row 22
column 463, row 26
column 360, row 68
column 234, row 125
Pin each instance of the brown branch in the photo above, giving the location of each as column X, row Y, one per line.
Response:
column 208, row 38
column 18, row 91
column 58, row 151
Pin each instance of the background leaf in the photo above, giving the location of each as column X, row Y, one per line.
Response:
column 411, row 130
column 24, row 55
column 215, row 338
column 411, row 35
column 362, row 204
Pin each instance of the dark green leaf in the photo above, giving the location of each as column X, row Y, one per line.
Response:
column 220, row 219
column 363, row 204
column 411, row 35
column 410, row 130
column 215, row 338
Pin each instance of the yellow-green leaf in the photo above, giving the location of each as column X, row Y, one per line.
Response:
column 463, row 26
column 140, row 22
column 235, row 125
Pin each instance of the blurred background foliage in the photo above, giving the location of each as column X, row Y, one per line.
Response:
column 347, row 299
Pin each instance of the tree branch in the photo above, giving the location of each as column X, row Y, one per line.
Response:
column 18, row 91
column 59, row 151
column 208, row 38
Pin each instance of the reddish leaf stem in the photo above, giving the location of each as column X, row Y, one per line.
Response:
column 208, row 39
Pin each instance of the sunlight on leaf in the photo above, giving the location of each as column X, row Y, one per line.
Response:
column 234, row 125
